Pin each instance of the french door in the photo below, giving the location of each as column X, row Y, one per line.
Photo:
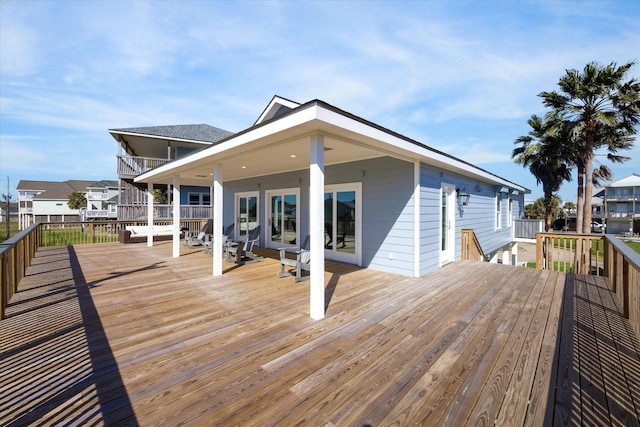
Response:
column 447, row 223
column 246, row 214
column 343, row 222
column 283, row 217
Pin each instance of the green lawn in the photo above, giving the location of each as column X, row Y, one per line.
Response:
column 635, row 245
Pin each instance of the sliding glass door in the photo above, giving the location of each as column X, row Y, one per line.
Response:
column 283, row 217
column 246, row 213
column 342, row 219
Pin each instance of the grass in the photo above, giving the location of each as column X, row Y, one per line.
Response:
column 13, row 230
column 635, row 245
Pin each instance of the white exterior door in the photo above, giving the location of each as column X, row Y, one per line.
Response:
column 343, row 223
column 283, row 217
column 246, row 214
column 447, row 223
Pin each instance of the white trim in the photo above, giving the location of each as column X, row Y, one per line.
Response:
column 316, row 227
column 316, row 118
column 448, row 255
column 267, row 216
column 176, row 216
column 150, row 214
column 416, row 218
column 237, row 196
column 218, row 191
column 355, row 258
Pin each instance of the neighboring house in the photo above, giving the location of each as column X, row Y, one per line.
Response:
column 13, row 211
column 102, row 197
column 47, row 201
column 366, row 195
column 622, row 205
column 141, row 149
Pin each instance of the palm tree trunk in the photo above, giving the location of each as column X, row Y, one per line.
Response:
column 588, row 189
column 547, row 210
column 580, row 198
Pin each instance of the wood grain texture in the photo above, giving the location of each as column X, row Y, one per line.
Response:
column 127, row 335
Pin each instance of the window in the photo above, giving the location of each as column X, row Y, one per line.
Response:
column 199, row 199
column 498, row 210
column 510, row 213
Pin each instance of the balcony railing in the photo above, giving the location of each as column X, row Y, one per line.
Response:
column 132, row 166
column 622, row 215
column 97, row 196
column 623, row 197
column 139, row 212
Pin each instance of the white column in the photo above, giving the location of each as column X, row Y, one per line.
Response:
column 176, row 216
column 150, row 214
column 416, row 218
column 216, row 244
column 316, row 227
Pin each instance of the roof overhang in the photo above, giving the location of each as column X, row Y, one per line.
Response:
column 283, row 145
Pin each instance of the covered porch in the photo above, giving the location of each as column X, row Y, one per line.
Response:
column 148, row 339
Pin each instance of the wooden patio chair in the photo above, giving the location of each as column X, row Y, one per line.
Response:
column 243, row 251
column 226, row 234
column 191, row 239
column 303, row 256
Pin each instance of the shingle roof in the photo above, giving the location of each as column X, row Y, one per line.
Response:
column 198, row 132
column 54, row 190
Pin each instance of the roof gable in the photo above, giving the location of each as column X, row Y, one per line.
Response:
column 277, row 106
column 632, row 180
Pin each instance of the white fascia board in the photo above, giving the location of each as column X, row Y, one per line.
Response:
column 411, row 149
column 211, row 153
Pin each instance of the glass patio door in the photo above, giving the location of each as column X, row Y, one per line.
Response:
column 246, row 214
column 283, row 218
column 447, row 223
column 342, row 220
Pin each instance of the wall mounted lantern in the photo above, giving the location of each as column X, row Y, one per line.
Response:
column 463, row 196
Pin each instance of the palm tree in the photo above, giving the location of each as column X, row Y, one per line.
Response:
column 604, row 110
column 543, row 151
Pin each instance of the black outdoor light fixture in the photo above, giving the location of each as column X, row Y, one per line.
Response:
column 463, row 196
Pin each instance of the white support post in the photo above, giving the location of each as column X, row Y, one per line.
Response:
column 316, row 227
column 416, row 218
column 176, row 216
column 150, row 214
column 216, row 244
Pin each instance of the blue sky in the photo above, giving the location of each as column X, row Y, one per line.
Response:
column 460, row 76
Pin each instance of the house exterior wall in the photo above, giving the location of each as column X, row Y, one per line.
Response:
column 388, row 210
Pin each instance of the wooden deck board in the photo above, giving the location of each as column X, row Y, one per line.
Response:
column 125, row 334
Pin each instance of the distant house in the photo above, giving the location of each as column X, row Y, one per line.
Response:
column 365, row 194
column 13, row 211
column 47, row 201
column 102, row 199
column 141, row 149
column 622, row 205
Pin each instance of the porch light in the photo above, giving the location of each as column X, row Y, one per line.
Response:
column 463, row 196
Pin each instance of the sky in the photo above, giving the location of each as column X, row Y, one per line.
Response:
column 460, row 76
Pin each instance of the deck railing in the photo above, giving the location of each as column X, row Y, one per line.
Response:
column 603, row 255
column 132, row 166
column 471, row 249
column 17, row 252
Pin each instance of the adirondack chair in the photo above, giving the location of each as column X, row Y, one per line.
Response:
column 226, row 234
column 300, row 263
column 191, row 239
column 243, row 251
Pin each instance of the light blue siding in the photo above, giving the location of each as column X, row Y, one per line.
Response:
column 388, row 210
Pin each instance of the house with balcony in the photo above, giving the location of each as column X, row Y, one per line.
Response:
column 622, row 205
column 142, row 149
column 102, row 197
column 47, row 201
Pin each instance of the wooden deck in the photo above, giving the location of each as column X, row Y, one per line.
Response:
column 125, row 334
